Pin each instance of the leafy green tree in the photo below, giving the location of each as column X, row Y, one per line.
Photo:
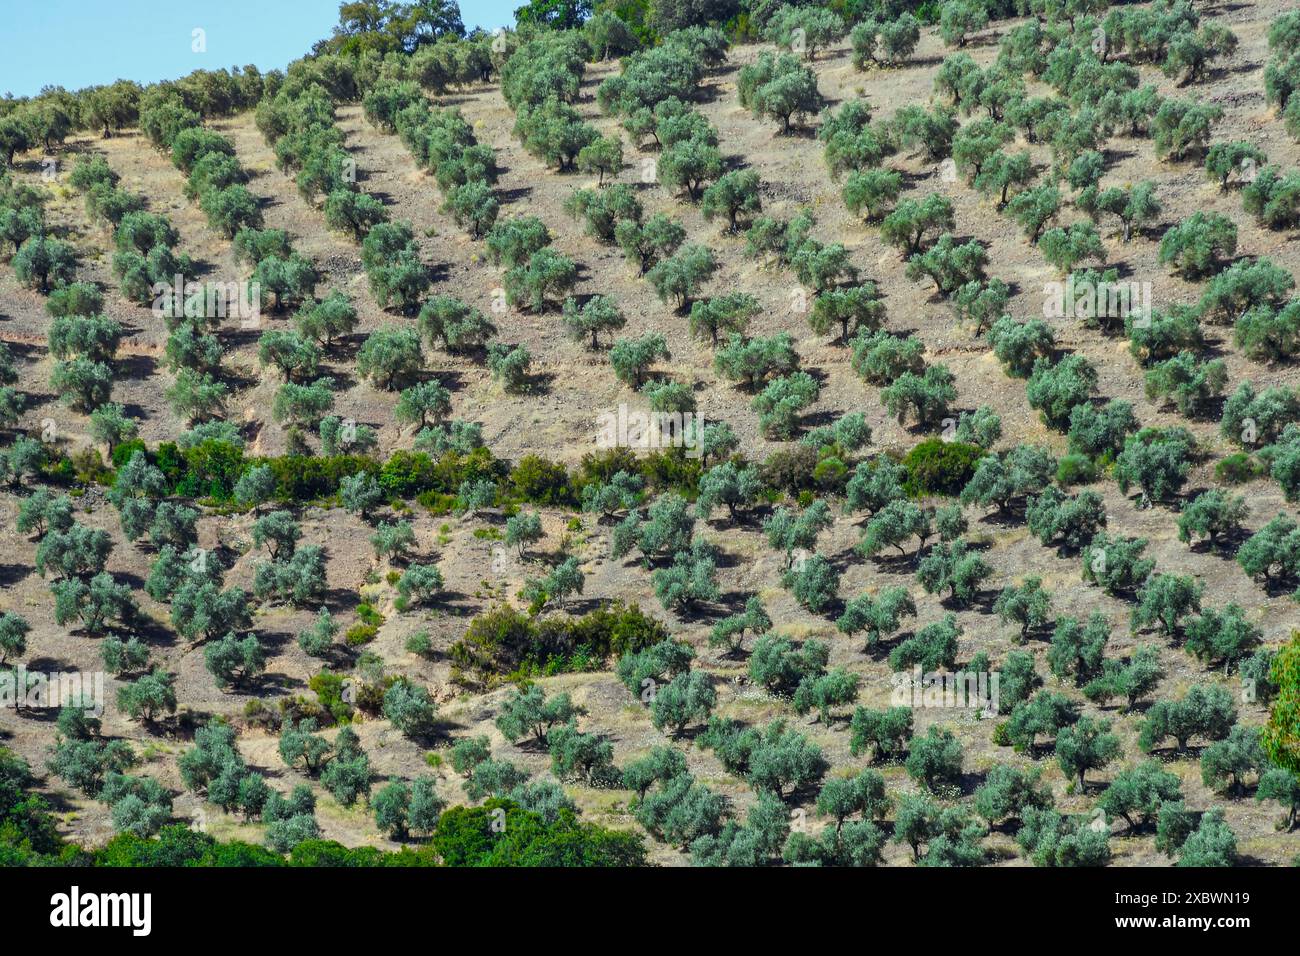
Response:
column 1054, row 389
column 813, row 581
column 688, row 164
column 1137, row 794
column 1115, row 564
column 958, row 19
column 361, row 493
column 602, row 210
column 1077, row 648
column 1002, row 479
column 95, row 603
column 645, row 244
column 927, row 395
column 456, row 326
column 935, row 760
column 1191, row 384
column 837, row 687
column 318, row 639
column 1283, row 786
column 419, row 583
column 233, row 661
column 933, row 647
column 347, row 775
column 728, row 485
column 353, row 212
column 779, row 87
column 681, row 811
column 680, row 276
column 148, row 696
column 730, row 631
column 754, row 360
column 952, row 567
column 1087, row 744
column 1051, row 839
column 884, row 43
column 523, row 530
column 1206, row 712
column 110, row 425
column 1165, row 599
column 510, row 365
column 880, row 616
column 598, row 314
column 1157, row 461
column 1181, row 128
column 393, row 540
column 1251, row 416
column 781, row 666
column 631, row 359
column 855, row 309
column 531, row 711
column 1222, row 636
column 13, row 636
column 733, row 195
column 1071, row 522
column 410, row 709
column 1046, row 713
column 893, row 526
column 949, row 265
column 1028, row 605
column 1066, row 247
column 390, row 355
column 512, row 242
column 579, row 756
column 286, row 282
column 781, row 401
column 230, row 209
column 84, row 385
column 1212, row 843
column 871, row 193
column 688, row 698
column 1267, row 335
column 1273, row 198
column 44, row 262
column 1130, row 680
column 1032, row 209
column 1134, row 206
column 885, row 732
column 474, row 206
column 729, row 312
column 74, row 551
column 1019, row 345
column 1226, row 763
column 1094, row 430
column 912, row 220
column 564, row 579
column 1196, row 246
column 1007, row 792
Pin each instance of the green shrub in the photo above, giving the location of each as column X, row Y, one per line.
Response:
column 1076, row 470
column 505, row 642
column 542, row 482
column 940, row 467
column 1238, row 468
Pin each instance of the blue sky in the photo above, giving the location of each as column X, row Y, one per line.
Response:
column 76, row 43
